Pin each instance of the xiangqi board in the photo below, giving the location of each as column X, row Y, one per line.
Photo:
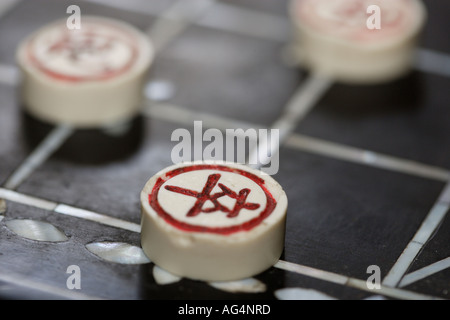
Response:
column 365, row 168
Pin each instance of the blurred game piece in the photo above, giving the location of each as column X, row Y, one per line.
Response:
column 213, row 221
column 88, row 77
column 357, row 41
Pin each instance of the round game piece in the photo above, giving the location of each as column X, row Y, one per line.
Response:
column 352, row 41
column 213, row 221
column 87, row 77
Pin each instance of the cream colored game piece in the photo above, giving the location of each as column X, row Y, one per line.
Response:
column 88, row 77
column 213, row 221
column 352, row 41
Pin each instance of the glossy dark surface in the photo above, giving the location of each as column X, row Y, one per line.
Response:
column 342, row 218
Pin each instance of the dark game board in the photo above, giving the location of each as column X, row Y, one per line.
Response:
column 365, row 168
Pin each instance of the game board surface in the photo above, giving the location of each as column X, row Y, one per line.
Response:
column 365, row 168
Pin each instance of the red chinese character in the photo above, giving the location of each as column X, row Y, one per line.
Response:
column 205, row 195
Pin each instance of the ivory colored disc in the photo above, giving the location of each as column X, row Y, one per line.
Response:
column 213, row 221
column 87, row 77
column 357, row 41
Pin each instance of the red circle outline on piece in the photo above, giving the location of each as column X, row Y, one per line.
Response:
column 246, row 226
column 71, row 78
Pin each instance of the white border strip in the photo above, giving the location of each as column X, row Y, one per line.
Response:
column 27, row 200
column 184, row 116
column 366, row 157
column 390, row 292
column 175, row 20
column 303, row 100
column 351, row 282
column 444, row 198
column 39, row 155
column 312, row 272
column 21, row 198
column 426, row 230
column 433, row 62
column 97, row 217
column 425, row 272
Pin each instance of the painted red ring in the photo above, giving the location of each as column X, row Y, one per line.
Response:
column 246, row 226
column 105, row 76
